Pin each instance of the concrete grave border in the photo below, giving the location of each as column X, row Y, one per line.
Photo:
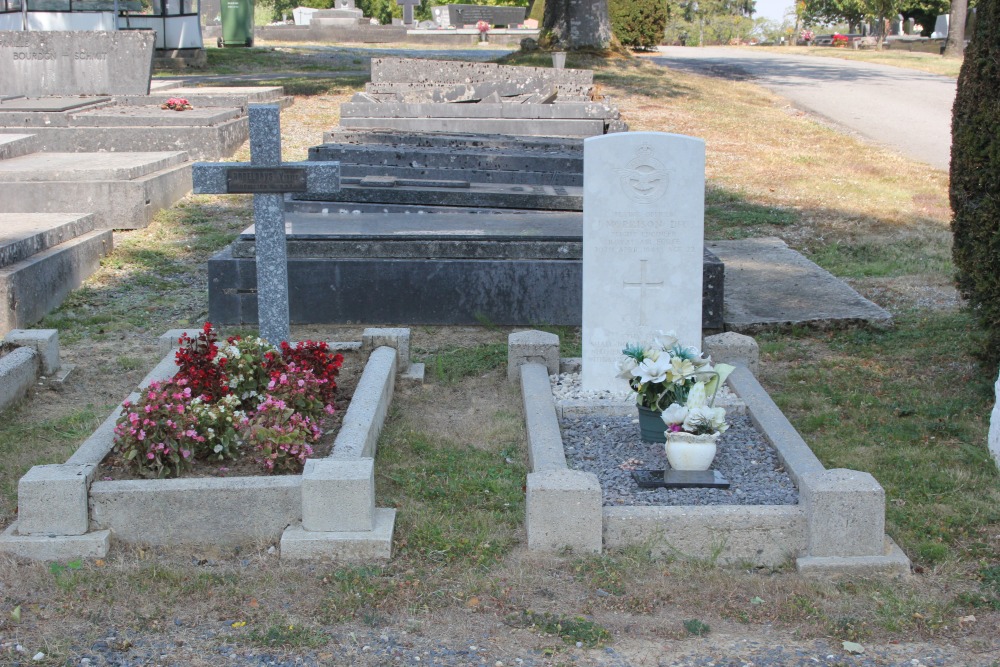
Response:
column 838, row 526
column 36, row 355
column 328, row 512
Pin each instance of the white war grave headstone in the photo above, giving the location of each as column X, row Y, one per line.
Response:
column 268, row 179
column 643, row 246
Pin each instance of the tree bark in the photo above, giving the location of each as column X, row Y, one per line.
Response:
column 578, row 24
column 954, row 47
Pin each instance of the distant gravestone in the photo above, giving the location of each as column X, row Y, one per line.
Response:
column 407, row 6
column 897, row 25
column 941, row 27
column 643, row 245
column 42, row 63
column 267, row 178
column 908, row 26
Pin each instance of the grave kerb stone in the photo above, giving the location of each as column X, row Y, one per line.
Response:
column 994, row 435
column 268, row 178
column 643, row 246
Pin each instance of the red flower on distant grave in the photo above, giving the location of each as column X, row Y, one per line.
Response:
column 177, row 104
column 483, row 27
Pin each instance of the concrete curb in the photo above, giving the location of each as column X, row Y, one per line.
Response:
column 18, row 371
column 219, row 511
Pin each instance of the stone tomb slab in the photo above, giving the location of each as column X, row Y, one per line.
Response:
column 24, row 234
column 427, row 265
column 769, row 285
column 51, row 104
column 154, row 116
column 124, row 189
column 85, row 166
column 76, row 62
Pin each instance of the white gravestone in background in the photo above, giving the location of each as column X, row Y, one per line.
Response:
column 643, row 245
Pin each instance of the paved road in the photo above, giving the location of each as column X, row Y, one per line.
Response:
column 907, row 110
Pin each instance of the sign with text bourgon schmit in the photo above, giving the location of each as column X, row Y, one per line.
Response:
column 258, row 180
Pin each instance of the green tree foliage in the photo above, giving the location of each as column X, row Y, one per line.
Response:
column 975, row 177
column 638, row 24
column 694, row 22
column 924, row 12
column 827, row 12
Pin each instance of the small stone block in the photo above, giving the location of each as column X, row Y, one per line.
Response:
column 338, row 495
column 62, row 374
column 892, row 563
column 733, row 348
column 526, row 347
column 169, row 340
column 362, row 546
column 570, row 365
column 414, row 374
column 845, row 513
column 52, row 500
column 398, row 338
column 563, row 510
column 55, row 547
column 680, row 479
column 44, row 341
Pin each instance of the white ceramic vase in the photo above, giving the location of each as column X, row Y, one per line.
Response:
column 686, row 451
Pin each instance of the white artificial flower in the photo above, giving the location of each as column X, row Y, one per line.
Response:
column 714, row 418
column 625, row 367
column 680, row 370
column 675, row 414
column 652, row 370
column 665, row 341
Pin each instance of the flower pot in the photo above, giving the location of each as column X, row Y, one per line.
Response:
column 651, row 426
column 686, row 451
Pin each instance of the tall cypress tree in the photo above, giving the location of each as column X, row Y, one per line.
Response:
column 975, row 177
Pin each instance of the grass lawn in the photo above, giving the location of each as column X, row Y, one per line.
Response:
column 908, row 404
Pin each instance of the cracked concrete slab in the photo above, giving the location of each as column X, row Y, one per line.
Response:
column 770, row 285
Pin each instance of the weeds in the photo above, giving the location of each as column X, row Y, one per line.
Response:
column 570, row 629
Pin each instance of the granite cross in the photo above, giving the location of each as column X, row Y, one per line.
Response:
column 407, row 6
column 268, row 179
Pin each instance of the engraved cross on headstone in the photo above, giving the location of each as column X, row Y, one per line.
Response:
column 407, row 6
column 268, row 179
column 642, row 285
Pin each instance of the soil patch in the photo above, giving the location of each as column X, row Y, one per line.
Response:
column 113, row 467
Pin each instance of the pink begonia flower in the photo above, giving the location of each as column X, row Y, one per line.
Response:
column 142, row 435
column 149, row 408
column 302, row 382
column 152, row 396
column 329, row 409
column 151, row 456
column 185, row 453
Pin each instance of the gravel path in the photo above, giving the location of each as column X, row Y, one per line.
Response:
column 610, row 448
column 218, row 646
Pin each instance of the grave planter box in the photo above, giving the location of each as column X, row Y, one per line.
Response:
column 326, row 512
column 836, row 528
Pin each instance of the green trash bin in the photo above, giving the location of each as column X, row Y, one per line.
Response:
column 237, row 23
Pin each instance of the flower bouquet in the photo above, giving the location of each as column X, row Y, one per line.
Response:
column 665, row 374
column 176, row 104
column 839, row 40
column 483, row 27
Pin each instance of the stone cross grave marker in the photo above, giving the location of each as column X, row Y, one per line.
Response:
column 407, row 6
column 643, row 245
column 268, row 179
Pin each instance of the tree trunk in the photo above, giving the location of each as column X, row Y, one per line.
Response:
column 955, row 46
column 577, row 24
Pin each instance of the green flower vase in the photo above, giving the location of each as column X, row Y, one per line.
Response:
column 651, row 426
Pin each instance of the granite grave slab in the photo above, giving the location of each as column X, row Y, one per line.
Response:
column 76, row 62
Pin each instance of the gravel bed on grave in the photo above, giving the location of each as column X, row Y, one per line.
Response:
column 610, row 447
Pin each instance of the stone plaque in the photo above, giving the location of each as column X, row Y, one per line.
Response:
column 643, row 245
column 255, row 180
column 36, row 64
